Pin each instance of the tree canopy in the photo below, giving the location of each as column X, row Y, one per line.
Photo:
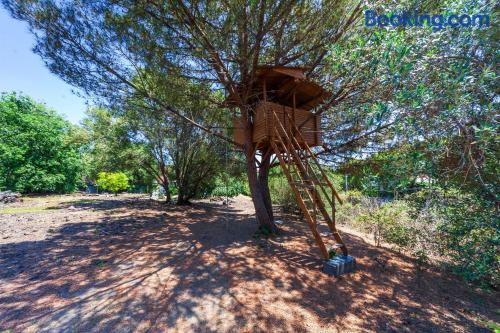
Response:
column 36, row 154
column 389, row 85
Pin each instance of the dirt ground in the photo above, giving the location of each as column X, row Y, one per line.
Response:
column 121, row 264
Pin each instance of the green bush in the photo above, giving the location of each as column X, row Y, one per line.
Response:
column 281, row 193
column 355, row 204
column 468, row 232
column 446, row 225
column 113, row 182
column 353, row 197
column 389, row 223
column 226, row 185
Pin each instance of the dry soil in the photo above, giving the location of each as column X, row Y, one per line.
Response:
column 121, row 264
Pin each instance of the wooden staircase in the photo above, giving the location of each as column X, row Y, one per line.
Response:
column 307, row 179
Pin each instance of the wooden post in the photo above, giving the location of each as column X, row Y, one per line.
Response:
column 314, row 207
column 266, row 118
column 316, row 134
column 333, row 209
column 264, row 90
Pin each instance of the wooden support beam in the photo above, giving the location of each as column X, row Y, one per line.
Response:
column 312, row 100
column 264, row 88
column 287, row 88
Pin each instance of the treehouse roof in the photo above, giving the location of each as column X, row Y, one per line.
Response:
column 281, row 82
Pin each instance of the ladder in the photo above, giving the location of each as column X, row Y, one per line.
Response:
column 307, row 179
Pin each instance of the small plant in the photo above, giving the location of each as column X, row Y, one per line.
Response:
column 264, row 230
column 99, row 263
column 226, row 185
column 113, row 182
column 493, row 326
column 281, row 193
column 421, row 258
column 389, row 223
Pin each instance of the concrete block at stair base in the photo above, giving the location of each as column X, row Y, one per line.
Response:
column 339, row 265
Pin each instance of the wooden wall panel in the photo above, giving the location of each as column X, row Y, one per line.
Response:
column 260, row 126
column 263, row 123
column 319, row 135
column 238, row 131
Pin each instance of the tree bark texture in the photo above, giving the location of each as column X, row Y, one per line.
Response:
column 259, row 187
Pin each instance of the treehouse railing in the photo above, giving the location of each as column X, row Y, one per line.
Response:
column 305, row 181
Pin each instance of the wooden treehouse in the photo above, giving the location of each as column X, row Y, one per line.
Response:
column 284, row 123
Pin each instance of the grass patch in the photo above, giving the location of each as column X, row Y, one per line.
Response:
column 24, row 210
column 493, row 326
column 79, row 202
column 47, row 204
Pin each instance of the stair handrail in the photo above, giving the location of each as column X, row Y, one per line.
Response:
column 285, row 136
column 297, row 146
column 317, row 163
column 299, row 163
column 301, row 203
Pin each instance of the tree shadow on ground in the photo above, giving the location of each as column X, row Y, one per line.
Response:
column 201, row 268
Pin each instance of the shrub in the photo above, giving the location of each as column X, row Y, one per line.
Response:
column 355, row 205
column 468, row 232
column 113, row 182
column 389, row 223
column 226, row 185
column 354, row 197
column 281, row 193
column 449, row 225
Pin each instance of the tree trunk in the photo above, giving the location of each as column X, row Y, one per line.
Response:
column 262, row 212
column 166, row 188
column 264, row 182
column 165, row 181
column 182, row 201
column 181, row 195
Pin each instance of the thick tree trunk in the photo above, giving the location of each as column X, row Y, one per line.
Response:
column 182, row 198
column 264, row 182
column 166, row 188
column 165, row 181
column 181, row 201
column 263, row 211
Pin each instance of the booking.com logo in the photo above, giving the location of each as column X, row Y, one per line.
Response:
column 436, row 21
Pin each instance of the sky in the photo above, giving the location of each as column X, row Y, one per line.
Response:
column 21, row 70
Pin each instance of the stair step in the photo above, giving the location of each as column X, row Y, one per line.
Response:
column 302, row 184
column 305, row 177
